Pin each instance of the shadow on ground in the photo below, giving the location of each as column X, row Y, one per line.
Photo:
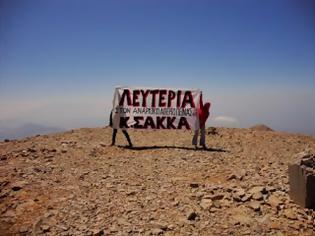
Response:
column 174, row 147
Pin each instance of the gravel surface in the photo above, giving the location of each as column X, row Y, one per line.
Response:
column 74, row 183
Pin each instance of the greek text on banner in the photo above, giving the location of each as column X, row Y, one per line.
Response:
column 147, row 108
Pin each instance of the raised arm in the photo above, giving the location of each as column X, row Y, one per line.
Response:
column 201, row 101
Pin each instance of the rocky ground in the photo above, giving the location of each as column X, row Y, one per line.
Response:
column 74, row 183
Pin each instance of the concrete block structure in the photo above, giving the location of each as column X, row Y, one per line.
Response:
column 302, row 181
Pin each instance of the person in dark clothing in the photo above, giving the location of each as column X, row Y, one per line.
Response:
column 115, row 132
column 203, row 114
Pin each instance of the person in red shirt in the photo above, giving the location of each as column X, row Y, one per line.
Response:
column 203, row 114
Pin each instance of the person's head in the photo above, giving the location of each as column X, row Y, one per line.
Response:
column 206, row 106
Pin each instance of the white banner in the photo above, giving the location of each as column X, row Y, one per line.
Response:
column 157, row 108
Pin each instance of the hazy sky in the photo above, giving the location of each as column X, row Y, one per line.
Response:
column 254, row 60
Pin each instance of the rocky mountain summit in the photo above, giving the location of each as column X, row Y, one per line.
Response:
column 74, row 183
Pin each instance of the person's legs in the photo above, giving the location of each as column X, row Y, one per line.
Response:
column 127, row 137
column 203, row 137
column 114, row 136
column 195, row 138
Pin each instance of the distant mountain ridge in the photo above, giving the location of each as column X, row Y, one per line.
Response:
column 261, row 127
column 29, row 129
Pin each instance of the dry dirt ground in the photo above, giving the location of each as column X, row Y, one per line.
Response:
column 74, row 183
